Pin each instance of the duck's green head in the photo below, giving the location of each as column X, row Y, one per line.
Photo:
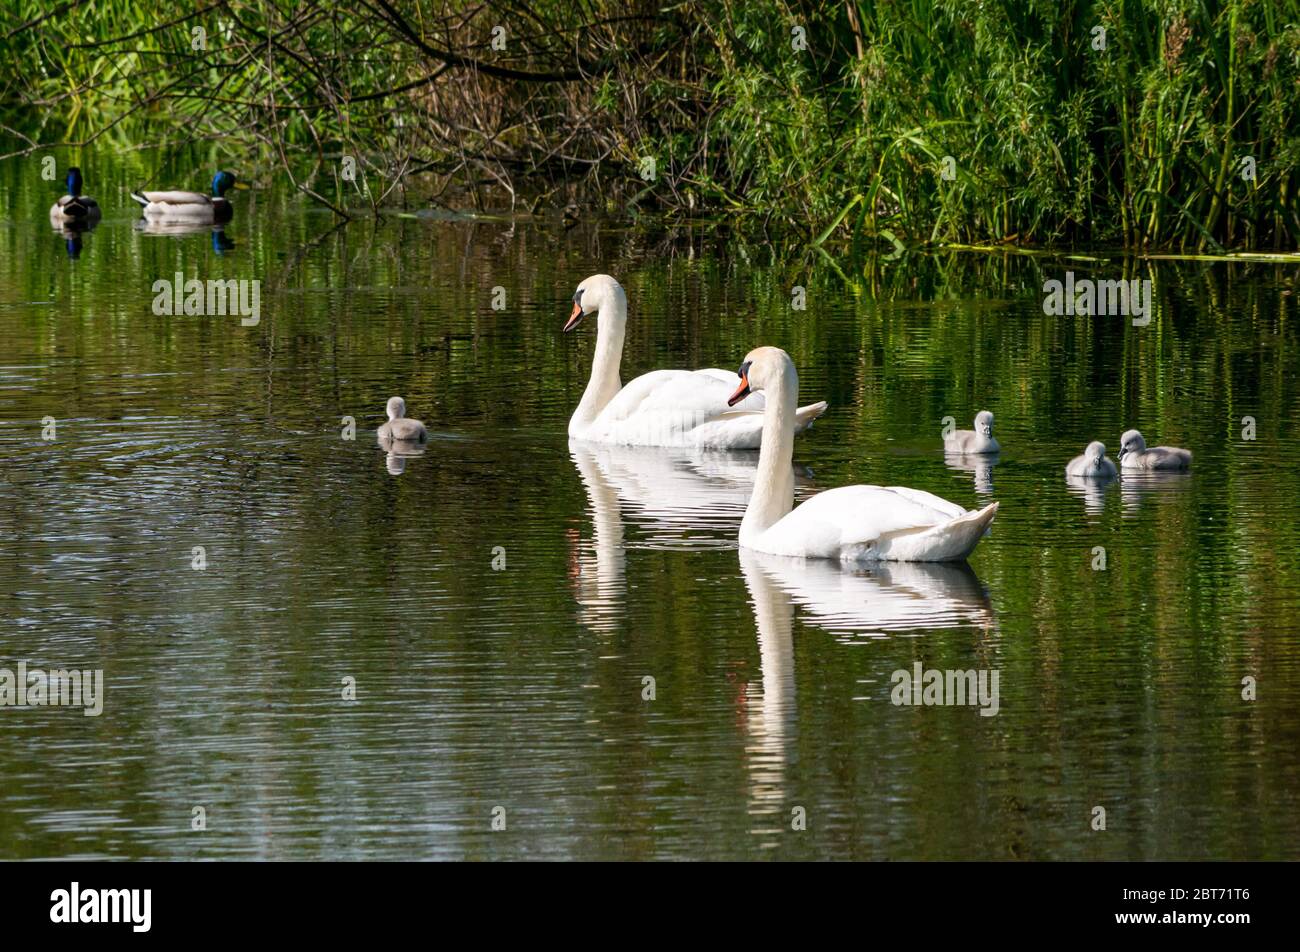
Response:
column 222, row 182
column 73, row 181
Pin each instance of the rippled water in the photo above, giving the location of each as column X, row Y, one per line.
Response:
column 522, row 687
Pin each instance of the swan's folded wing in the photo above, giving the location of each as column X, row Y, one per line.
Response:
column 1171, row 455
column 691, row 397
column 708, row 390
column 929, row 500
column 858, row 515
column 755, row 401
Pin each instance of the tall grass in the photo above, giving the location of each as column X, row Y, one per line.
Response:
column 1052, row 141
column 901, row 122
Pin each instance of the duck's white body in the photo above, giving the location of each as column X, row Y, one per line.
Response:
column 684, row 408
column 184, row 206
column 853, row 523
column 1134, row 454
column 70, row 210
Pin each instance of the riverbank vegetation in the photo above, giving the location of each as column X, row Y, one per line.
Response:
column 1146, row 124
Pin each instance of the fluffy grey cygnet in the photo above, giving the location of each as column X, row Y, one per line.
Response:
column 399, row 427
column 1093, row 463
column 1134, row 454
column 979, row 440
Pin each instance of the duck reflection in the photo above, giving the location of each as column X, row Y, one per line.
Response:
column 72, row 239
column 771, row 716
column 979, row 464
column 221, row 242
column 597, row 575
column 72, row 232
column 890, row 598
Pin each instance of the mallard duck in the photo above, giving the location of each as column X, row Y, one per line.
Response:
column 190, row 206
column 74, row 208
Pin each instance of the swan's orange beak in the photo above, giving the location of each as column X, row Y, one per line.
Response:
column 741, row 392
column 575, row 318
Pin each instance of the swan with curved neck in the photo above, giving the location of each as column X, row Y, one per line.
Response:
column 851, row 523
column 663, row 407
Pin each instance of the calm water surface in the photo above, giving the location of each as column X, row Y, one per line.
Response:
column 481, row 687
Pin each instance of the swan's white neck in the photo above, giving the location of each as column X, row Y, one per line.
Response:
column 604, row 385
column 773, row 495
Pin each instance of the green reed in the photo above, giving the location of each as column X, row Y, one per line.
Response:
column 881, row 124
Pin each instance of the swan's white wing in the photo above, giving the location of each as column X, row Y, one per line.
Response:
column 699, row 391
column 852, row 516
column 664, row 407
column 947, row 510
column 755, row 401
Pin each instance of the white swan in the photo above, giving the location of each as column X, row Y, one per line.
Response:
column 852, row 523
column 1133, row 454
column 1093, row 464
column 663, row 407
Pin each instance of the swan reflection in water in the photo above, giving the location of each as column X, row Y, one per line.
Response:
column 398, row 452
column 679, row 499
column 888, row 599
column 979, row 464
column 1136, row 486
column 1091, row 489
column 694, row 500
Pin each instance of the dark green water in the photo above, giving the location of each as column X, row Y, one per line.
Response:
column 522, row 688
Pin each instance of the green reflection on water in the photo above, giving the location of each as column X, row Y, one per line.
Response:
column 523, row 687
